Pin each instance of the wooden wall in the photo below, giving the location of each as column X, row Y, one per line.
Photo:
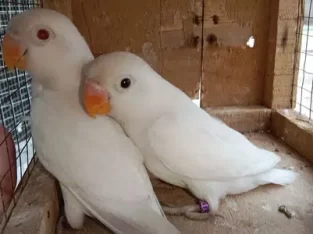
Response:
column 233, row 72
column 193, row 42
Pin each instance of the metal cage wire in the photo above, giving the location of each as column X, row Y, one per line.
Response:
column 17, row 156
column 304, row 69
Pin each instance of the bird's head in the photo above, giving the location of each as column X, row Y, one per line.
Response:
column 122, row 85
column 44, row 42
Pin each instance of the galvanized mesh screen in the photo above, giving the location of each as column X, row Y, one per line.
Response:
column 304, row 85
column 16, row 148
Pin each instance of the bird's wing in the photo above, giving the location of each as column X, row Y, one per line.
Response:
column 204, row 148
column 123, row 216
column 105, row 173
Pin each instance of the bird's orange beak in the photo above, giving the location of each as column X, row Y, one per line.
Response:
column 95, row 98
column 13, row 53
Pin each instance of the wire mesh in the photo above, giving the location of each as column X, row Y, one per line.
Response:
column 17, row 154
column 304, row 84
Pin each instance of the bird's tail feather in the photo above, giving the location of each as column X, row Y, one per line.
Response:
column 278, row 176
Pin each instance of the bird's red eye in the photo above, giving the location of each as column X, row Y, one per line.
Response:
column 43, row 34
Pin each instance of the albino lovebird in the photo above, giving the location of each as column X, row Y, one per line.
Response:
column 100, row 170
column 181, row 143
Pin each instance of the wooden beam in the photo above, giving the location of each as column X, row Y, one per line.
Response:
column 243, row 119
column 294, row 130
column 283, row 42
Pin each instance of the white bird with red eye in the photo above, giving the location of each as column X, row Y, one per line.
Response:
column 100, row 170
column 181, row 143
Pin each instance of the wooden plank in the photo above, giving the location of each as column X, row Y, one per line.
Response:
column 233, row 74
column 180, row 40
column 282, row 43
column 296, row 132
column 181, row 44
column 37, row 210
column 243, row 119
column 163, row 32
column 269, row 79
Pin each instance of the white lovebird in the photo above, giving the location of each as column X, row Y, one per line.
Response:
column 181, row 143
column 101, row 172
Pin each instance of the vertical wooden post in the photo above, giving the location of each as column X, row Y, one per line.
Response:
column 283, row 47
column 234, row 72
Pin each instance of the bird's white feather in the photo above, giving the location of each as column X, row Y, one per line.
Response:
column 206, row 150
column 99, row 165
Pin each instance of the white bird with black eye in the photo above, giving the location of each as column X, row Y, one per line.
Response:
column 181, row 143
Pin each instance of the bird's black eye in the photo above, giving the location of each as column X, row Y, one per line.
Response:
column 125, row 83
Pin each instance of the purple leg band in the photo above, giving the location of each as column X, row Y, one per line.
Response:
column 204, row 207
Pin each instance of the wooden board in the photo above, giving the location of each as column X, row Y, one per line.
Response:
column 37, row 209
column 283, row 42
column 294, row 130
column 243, row 119
column 234, row 73
column 181, row 44
column 163, row 32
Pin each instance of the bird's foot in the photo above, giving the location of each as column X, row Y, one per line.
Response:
column 195, row 212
